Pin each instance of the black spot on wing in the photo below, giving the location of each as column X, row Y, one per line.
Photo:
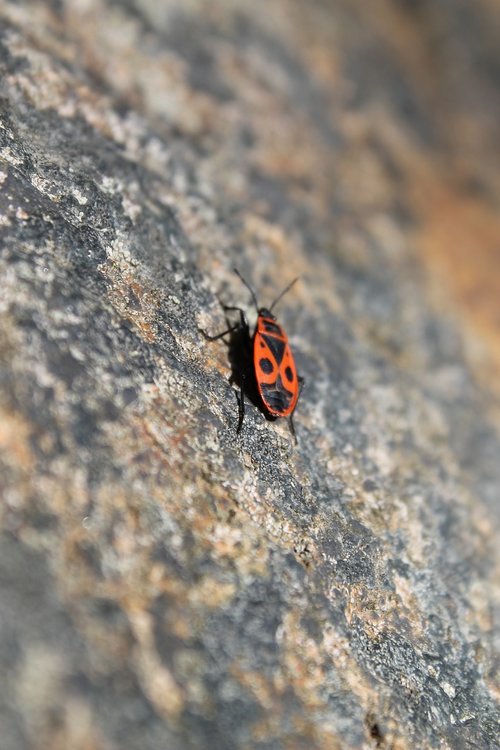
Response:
column 276, row 346
column 266, row 365
column 289, row 374
column 276, row 397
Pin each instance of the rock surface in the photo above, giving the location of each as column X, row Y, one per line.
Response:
column 164, row 583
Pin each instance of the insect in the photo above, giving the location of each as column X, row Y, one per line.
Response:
column 266, row 364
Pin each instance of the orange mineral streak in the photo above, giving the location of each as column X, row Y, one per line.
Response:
column 459, row 240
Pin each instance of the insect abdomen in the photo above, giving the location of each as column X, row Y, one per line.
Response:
column 275, row 369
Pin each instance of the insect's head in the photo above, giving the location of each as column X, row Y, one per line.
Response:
column 264, row 312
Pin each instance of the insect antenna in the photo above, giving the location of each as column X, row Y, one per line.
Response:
column 285, row 290
column 254, row 298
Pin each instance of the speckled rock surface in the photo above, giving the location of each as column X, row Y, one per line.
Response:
column 164, row 583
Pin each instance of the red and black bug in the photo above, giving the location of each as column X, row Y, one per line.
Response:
column 264, row 362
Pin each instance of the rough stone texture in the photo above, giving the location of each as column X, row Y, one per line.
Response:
column 165, row 584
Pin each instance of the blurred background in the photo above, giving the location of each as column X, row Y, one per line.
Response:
column 395, row 108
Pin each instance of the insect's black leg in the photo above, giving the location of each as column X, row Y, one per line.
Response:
column 292, row 428
column 242, row 324
column 241, row 406
column 219, row 335
column 243, row 328
column 243, row 317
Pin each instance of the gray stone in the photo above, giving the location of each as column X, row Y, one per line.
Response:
column 164, row 581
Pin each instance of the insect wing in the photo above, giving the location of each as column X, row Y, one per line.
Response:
column 275, row 369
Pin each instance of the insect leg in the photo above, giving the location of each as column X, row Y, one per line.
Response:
column 243, row 328
column 241, row 400
column 219, row 335
column 241, row 405
column 242, row 324
column 243, row 317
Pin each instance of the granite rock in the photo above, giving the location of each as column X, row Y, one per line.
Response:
column 164, row 582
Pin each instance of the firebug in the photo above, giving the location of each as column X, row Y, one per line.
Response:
column 265, row 365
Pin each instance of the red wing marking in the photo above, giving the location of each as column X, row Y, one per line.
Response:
column 276, row 373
